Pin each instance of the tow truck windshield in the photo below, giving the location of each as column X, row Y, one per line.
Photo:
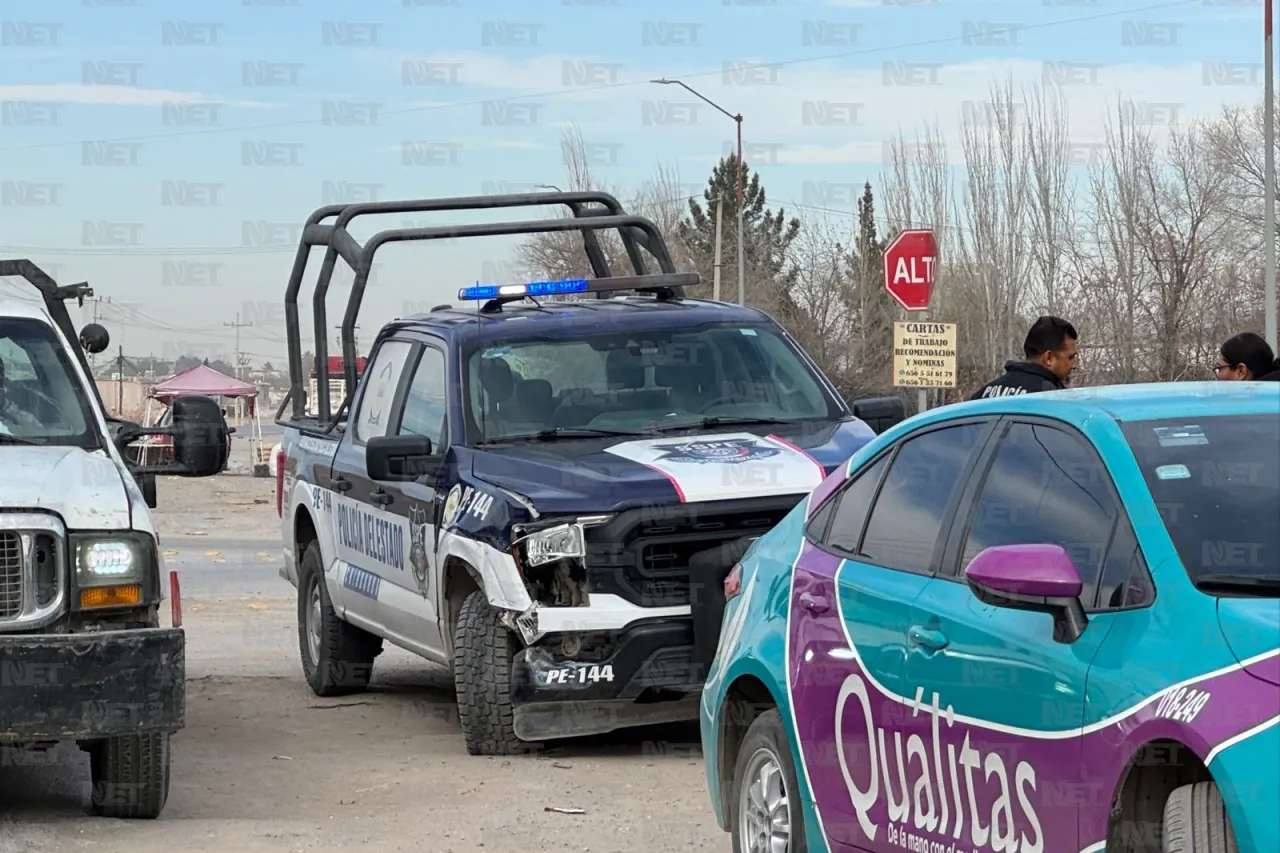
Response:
column 640, row 383
column 41, row 401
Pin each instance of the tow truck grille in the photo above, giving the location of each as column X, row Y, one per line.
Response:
column 11, row 574
column 643, row 554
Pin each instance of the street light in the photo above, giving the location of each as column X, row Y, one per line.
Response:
column 737, row 117
column 1269, row 180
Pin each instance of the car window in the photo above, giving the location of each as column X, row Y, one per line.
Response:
column 1045, row 486
column 42, row 398
column 424, row 403
column 909, row 510
column 381, row 380
column 1216, row 483
column 851, row 507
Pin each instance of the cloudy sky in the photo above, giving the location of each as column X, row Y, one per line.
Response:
column 169, row 151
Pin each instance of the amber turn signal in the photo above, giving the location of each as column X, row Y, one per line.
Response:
column 111, row 596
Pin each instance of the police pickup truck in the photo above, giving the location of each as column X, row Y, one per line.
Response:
column 83, row 656
column 546, row 491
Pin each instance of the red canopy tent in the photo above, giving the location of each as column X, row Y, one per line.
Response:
column 204, row 380
column 200, row 380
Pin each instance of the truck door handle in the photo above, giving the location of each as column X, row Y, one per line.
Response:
column 934, row 641
column 380, row 497
column 338, row 484
column 815, row 604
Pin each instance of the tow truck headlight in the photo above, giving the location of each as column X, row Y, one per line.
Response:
column 115, row 570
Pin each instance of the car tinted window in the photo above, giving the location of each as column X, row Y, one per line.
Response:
column 851, row 507
column 1216, row 482
column 424, row 402
column 380, row 382
column 1044, row 486
column 909, row 511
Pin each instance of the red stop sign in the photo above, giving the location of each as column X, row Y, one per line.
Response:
column 910, row 263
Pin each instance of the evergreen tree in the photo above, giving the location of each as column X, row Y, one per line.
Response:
column 873, row 310
column 767, row 237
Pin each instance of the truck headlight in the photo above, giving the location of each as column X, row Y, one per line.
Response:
column 562, row 542
column 114, row 570
column 539, row 544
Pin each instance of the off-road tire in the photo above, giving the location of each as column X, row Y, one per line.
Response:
column 344, row 664
column 485, row 649
column 1195, row 821
column 130, row 775
column 768, row 733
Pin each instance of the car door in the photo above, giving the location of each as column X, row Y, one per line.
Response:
column 1006, row 701
column 414, row 597
column 370, row 542
column 869, row 552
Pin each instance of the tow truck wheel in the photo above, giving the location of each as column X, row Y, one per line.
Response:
column 1195, row 821
column 764, row 804
column 482, row 676
column 130, row 775
column 337, row 657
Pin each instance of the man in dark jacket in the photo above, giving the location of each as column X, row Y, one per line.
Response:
column 1051, row 356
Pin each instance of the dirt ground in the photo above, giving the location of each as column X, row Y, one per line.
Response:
column 264, row 765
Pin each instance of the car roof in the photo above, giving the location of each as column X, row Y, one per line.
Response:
column 11, row 307
column 1138, row 402
column 580, row 318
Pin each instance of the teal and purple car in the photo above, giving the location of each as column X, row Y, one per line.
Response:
column 1036, row 624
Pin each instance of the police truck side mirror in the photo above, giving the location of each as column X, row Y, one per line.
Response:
column 880, row 413
column 400, row 458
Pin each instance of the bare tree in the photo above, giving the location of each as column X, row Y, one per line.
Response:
column 562, row 255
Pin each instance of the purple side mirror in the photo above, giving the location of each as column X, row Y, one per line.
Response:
column 1026, row 571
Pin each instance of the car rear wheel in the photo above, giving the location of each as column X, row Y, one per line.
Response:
column 337, row 657
column 1195, row 821
column 765, row 812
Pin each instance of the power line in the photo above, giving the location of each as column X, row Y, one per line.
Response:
column 577, row 90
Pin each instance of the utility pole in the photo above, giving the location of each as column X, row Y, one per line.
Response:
column 237, row 325
column 97, row 300
column 355, row 339
column 120, row 381
column 1269, row 189
column 716, row 278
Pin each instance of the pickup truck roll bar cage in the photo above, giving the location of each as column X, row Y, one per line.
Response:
column 55, row 297
column 636, row 232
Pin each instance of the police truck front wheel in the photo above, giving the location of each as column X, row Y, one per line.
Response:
column 484, row 650
column 764, row 803
column 1195, row 821
column 130, row 775
column 337, row 657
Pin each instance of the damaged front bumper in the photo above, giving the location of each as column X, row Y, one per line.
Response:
column 89, row 686
column 641, row 676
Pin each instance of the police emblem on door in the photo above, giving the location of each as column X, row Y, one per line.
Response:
column 420, row 548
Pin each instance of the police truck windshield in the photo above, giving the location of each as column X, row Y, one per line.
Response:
column 641, row 382
column 41, row 400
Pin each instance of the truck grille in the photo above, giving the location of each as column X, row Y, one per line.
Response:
column 11, row 574
column 643, row 554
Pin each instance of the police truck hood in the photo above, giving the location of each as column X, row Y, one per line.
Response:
column 85, row 488
column 607, row 474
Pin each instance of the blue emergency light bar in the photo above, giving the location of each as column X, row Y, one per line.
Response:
column 658, row 281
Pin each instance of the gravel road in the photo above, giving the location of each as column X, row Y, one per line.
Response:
column 264, row 765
